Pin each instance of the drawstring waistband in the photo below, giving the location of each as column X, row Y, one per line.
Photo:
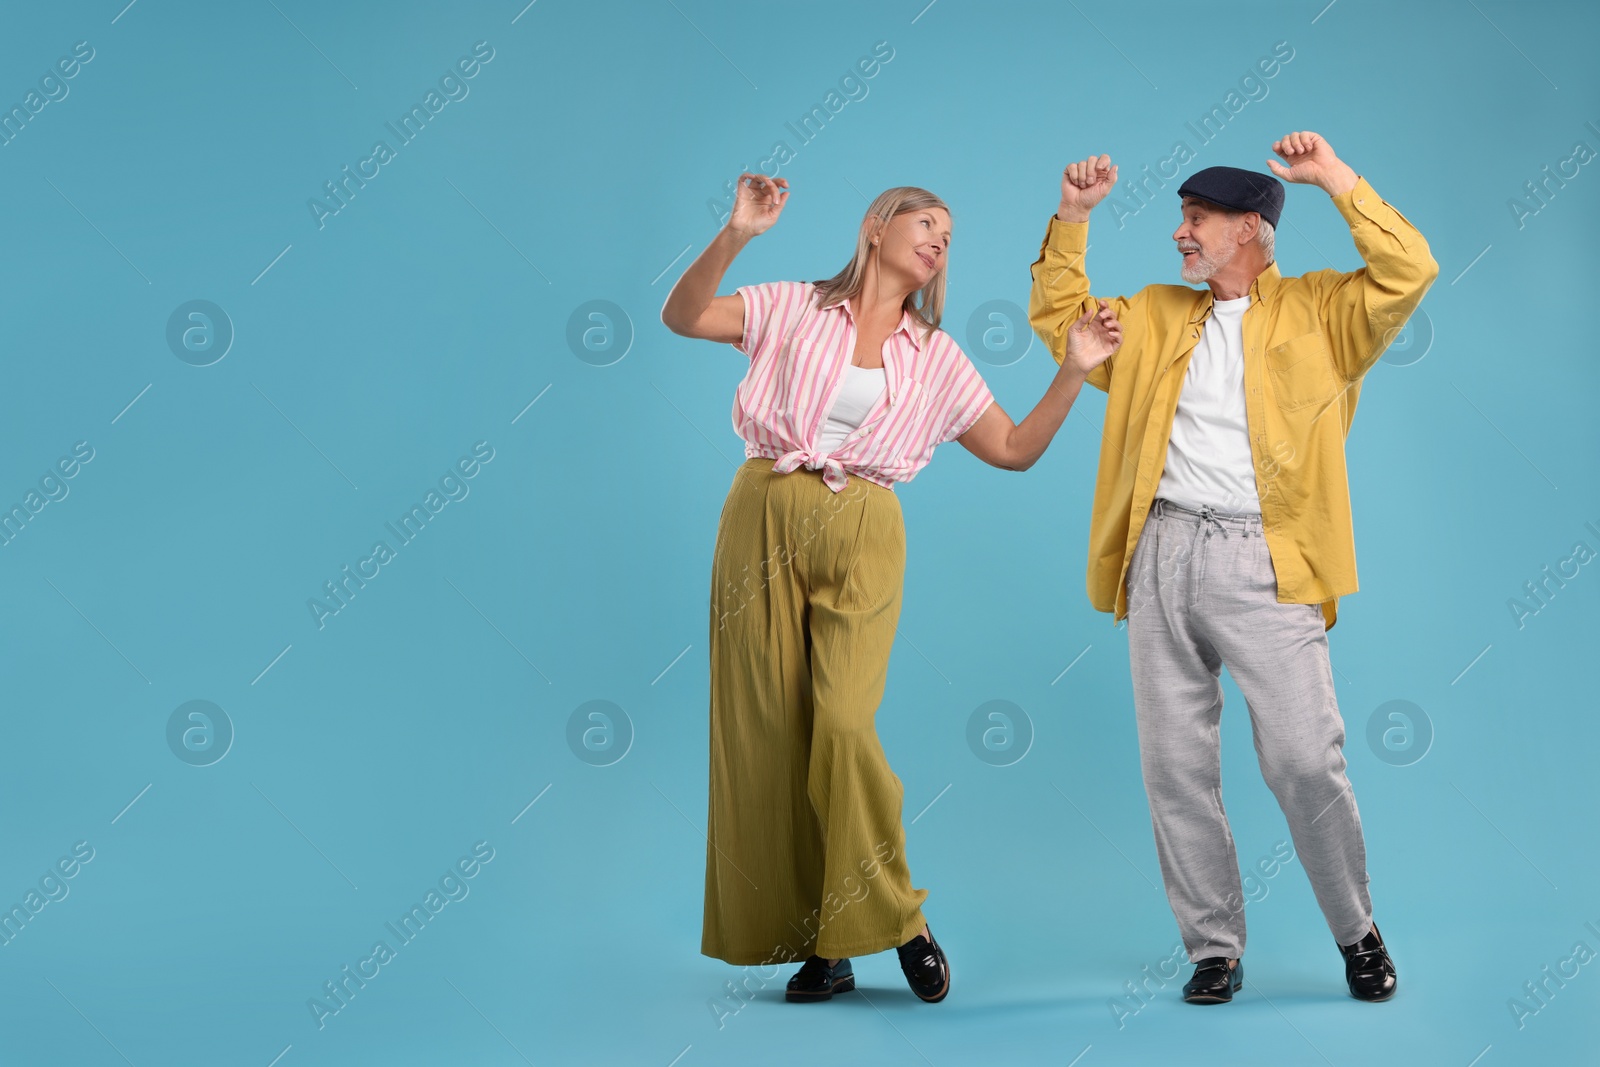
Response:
column 1208, row 517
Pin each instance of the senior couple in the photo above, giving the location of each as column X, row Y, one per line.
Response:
column 1221, row 530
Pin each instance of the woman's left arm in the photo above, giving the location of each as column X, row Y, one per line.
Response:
column 999, row 442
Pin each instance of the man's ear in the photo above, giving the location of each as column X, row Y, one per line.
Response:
column 1249, row 227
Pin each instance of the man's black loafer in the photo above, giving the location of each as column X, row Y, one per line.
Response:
column 1214, row 982
column 1368, row 969
column 816, row 980
column 926, row 969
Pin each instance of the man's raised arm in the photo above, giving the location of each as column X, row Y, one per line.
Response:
column 1361, row 311
column 1060, row 294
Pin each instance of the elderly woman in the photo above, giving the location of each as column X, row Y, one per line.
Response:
column 851, row 386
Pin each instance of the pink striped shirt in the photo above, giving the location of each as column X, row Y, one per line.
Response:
column 798, row 353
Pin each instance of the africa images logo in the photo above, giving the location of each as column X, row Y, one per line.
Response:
column 453, row 486
column 453, row 87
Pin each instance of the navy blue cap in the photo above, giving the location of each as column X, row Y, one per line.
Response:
column 1237, row 190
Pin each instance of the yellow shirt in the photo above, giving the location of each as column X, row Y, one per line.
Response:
column 1307, row 342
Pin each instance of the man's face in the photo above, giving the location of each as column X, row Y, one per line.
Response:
column 1207, row 238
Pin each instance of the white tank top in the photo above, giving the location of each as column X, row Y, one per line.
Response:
column 861, row 389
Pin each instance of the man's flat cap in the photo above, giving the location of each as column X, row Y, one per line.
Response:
column 1237, row 190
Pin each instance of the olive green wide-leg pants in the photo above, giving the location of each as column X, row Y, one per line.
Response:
column 805, row 852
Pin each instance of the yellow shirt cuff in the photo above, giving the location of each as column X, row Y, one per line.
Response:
column 1066, row 237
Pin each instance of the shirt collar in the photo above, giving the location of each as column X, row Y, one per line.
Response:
column 912, row 329
column 1262, row 290
column 1266, row 284
column 908, row 324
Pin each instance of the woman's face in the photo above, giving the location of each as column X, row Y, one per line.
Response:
column 915, row 244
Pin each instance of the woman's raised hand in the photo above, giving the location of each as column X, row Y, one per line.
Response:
column 758, row 201
column 1093, row 338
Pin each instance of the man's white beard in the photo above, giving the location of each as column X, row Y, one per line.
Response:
column 1204, row 267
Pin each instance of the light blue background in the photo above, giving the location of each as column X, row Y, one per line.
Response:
column 427, row 714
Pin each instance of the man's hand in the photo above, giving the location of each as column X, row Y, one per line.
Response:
column 1093, row 339
column 1312, row 162
column 1083, row 185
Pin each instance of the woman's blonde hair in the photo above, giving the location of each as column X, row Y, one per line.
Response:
column 850, row 281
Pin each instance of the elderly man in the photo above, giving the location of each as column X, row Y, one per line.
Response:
column 1221, row 527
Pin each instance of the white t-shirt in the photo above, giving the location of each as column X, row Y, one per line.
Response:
column 861, row 389
column 1208, row 455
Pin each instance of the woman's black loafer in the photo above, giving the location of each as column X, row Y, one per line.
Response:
column 816, row 980
column 926, row 969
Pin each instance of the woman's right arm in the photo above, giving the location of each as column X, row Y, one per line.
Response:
column 693, row 308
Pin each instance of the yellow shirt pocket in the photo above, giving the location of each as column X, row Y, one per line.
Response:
column 1301, row 370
